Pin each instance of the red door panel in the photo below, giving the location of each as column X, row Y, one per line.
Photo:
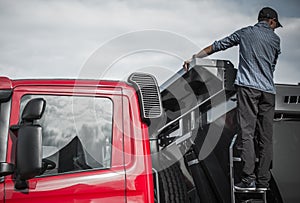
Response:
column 1, row 189
column 94, row 185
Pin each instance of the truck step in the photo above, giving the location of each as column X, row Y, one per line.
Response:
column 239, row 159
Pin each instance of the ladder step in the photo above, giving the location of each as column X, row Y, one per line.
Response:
column 239, row 159
column 252, row 194
column 250, row 191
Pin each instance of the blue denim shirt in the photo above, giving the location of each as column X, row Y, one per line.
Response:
column 259, row 48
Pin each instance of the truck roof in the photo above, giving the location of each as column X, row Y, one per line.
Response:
column 7, row 83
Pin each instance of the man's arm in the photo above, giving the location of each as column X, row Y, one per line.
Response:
column 227, row 42
column 203, row 53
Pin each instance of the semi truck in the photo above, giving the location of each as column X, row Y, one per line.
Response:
column 79, row 140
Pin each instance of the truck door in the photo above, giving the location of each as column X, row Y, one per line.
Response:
column 1, row 189
column 82, row 136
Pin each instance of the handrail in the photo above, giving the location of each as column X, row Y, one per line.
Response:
column 157, row 185
column 233, row 141
column 231, row 167
column 189, row 111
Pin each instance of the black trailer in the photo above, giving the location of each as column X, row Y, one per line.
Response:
column 199, row 132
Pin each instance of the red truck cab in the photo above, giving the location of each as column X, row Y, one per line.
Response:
column 76, row 140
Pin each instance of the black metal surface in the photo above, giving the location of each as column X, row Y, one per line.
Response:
column 5, row 95
column 206, row 78
column 211, row 175
column 184, row 91
column 182, row 94
column 201, row 181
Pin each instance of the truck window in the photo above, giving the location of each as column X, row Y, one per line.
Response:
column 77, row 132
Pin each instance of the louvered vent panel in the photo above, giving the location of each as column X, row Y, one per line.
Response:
column 292, row 99
column 149, row 94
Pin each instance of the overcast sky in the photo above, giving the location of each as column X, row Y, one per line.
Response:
column 86, row 38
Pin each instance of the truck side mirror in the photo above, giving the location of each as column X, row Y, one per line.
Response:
column 29, row 143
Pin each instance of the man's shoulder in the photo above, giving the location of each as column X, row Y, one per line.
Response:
column 246, row 29
column 258, row 29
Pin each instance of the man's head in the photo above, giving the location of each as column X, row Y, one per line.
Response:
column 269, row 15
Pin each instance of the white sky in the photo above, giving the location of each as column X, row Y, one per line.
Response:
column 85, row 38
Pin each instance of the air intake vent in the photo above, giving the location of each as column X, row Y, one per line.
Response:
column 149, row 95
column 292, row 99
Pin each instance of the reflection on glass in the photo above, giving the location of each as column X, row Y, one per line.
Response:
column 77, row 131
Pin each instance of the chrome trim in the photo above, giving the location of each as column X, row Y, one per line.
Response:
column 157, row 184
column 193, row 162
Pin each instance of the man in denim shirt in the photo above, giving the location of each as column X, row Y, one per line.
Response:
column 259, row 48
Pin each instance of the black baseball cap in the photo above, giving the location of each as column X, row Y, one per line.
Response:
column 268, row 13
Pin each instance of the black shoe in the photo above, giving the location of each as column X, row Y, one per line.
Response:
column 245, row 186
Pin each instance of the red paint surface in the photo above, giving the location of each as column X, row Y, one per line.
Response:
column 130, row 176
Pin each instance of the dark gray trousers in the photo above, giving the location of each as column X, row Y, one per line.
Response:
column 255, row 113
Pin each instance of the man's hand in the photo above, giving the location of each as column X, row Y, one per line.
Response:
column 186, row 65
column 203, row 53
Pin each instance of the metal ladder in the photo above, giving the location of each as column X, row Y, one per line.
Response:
column 233, row 159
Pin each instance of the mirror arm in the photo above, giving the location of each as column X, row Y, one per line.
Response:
column 14, row 128
column 6, row 169
column 20, row 184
